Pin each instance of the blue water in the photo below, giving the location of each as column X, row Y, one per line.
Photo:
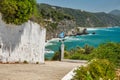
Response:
column 102, row 35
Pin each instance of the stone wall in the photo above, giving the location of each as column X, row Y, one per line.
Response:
column 21, row 43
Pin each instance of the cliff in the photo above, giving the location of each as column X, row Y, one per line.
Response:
column 64, row 25
column 21, row 43
column 77, row 31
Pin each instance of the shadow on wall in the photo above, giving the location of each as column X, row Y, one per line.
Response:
column 10, row 35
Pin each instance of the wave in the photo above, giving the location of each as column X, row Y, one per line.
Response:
column 108, row 30
column 53, row 39
column 49, row 51
column 48, row 44
column 103, row 29
column 92, row 29
column 116, row 26
column 90, row 34
column 70, row 39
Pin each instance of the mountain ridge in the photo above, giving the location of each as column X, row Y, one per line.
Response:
column 115, row 12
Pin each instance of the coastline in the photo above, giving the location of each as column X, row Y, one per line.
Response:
column 88, row 28
column 102, row 27
column 69, row 38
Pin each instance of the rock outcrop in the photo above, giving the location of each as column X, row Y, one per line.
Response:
column 77, row 31
column 21, row 43
column 63, row 26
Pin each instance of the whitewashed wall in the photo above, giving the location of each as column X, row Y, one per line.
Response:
column 21, row 43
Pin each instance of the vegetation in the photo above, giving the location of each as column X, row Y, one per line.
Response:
column 17, row 11
column 51, row 16
column 80, row 53
column 110, row 51
column 56, row 56
column 82, row 18
column 25, row 62
column 104, row 60
column 98, row 69
column 49, row 12
column 77, row 53
column 37, row 62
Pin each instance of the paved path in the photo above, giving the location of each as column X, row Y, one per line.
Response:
column 51, row 70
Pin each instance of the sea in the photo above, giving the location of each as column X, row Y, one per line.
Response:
column 102, row 35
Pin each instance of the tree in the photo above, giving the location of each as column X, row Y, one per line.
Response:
column 17, row 11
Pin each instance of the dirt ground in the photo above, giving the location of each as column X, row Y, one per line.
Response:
column 51, row 70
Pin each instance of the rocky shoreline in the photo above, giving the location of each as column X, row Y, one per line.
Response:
column 77, row 31
column 72, row 32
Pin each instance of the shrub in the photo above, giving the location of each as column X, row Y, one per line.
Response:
column 96, row 70
column 110, row 51
column 81, row 53
column 17, row 11
column 66, row 54
column 25, row 62
column 88, row 49
column 75, row 56
column 56, row 56
column 46, row 59
column 79, row 56
column 37, row 62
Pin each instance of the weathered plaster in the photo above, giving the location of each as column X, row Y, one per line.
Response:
column 21, row 43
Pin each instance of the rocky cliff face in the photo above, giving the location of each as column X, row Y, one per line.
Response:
column 21, row 43
column 64, row 25
column 77, row 31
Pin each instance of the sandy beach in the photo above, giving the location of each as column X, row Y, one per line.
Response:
column 51, row 70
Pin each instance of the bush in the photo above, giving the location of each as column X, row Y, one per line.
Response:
column 110, row 51
column 56, row 56
column 96, row 70
column 79, row 56
column 25, row 62
column 66, row 54
column 37, row 62
column 88, row 49
column 17, row 11
column 75, row 56
column 81, row 53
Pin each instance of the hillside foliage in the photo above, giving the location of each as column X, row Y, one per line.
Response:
column 82, row 18
column 51, row 16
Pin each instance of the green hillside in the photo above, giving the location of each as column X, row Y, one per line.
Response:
column 82, row 18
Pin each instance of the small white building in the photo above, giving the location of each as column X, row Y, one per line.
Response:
column 21, row 43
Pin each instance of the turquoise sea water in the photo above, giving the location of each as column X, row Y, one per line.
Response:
column 111, row 34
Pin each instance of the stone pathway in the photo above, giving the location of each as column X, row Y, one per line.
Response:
column 51, row 70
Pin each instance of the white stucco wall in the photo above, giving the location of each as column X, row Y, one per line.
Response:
column 21, row 43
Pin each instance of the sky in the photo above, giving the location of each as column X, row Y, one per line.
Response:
column 87, row 5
